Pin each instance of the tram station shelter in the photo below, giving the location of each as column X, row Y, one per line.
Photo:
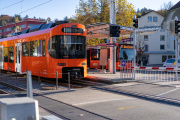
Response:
column 101, row 30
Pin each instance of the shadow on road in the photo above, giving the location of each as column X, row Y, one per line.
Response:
column 152, row 98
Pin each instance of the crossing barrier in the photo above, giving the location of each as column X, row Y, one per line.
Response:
column 158, row 74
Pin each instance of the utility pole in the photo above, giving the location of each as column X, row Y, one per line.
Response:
column 135, row 24
column 112, row 39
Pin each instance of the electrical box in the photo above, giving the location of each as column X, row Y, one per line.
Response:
column 23, row 108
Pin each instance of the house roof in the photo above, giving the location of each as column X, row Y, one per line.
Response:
column 150, row 12
column 177, row 5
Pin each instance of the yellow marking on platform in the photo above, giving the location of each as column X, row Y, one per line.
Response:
column 128, row 107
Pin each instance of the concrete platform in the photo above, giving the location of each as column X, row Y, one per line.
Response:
column 106, row 77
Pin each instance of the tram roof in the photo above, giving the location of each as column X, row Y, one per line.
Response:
column 21, row 36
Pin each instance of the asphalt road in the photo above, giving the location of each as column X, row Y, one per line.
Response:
column 129, row 101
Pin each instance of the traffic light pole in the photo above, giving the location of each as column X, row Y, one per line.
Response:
column 134, row 51
column 176, row 44
column 176, row 54
column 112, row 39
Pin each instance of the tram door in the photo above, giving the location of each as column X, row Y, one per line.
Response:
column 18, row 57
column 1, row 56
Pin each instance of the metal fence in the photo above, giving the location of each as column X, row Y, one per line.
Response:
column 126, row 71
column 157, row 74
column 149, row 74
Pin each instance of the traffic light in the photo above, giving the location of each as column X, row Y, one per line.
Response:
column 114, row 30
column 177, row 26
column 135, row 23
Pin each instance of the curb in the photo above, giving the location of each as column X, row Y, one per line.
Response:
column 108, row 81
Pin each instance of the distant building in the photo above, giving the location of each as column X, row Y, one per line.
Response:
column 158, row 45
column 20, row 26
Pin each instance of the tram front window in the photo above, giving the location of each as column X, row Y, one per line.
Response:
column 126, row 54
column 95, row 54
column 67, row 47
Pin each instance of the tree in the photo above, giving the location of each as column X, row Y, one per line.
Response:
column 93, row 11
column 140, row 46
column 55, row 20
column 49, row 19
column 4, row 23
column 164, row 8
column 26, row 17
column 95, row 41
column 16, row 20
column 104, row 11
column 86, row 13
column 66, row 18
column 41, row 19
column 125, row 12
column 18, row 16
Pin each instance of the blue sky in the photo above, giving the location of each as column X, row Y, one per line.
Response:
column 61, row 8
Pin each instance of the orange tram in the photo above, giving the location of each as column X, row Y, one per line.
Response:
column 123, row 52
column 46, row 49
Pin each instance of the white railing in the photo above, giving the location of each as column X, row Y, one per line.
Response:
column 157, row 74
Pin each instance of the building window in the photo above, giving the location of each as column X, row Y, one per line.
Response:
column 155, row 19
column 25, row 48
column 146, row 48
column 146, row 37
column 162, row 30
column 170, row 56
column 11, row 55
column 35, row 48
column 9, row 29
column 149, row 18
column 1, row 31
column 162, row 37
column 6, row 54
column 22, row 26
column 43, row 48
column 164, row 57
column 162, row 47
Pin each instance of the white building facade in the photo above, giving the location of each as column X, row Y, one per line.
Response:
column 158, row 45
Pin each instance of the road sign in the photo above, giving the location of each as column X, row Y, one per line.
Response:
column 123, row 63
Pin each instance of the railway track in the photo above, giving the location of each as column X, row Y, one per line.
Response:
column 9, row 89
column 62, row 110
column 76, row 83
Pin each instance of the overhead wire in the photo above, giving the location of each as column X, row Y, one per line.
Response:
column 11, row 5
column 35, row 6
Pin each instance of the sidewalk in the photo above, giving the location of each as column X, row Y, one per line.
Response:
column 106, row 77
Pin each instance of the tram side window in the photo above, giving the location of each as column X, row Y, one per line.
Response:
column 43, row 48
column 35, row 48
column 11, row 55
column 95, row 54
column 6, row 54
column 25, row 48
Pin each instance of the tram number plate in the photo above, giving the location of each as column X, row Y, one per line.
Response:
column 61, row 64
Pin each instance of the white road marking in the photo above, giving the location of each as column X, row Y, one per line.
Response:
column 168, row 92
column 103, row 101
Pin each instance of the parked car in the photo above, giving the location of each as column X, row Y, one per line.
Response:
column 171, row 62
